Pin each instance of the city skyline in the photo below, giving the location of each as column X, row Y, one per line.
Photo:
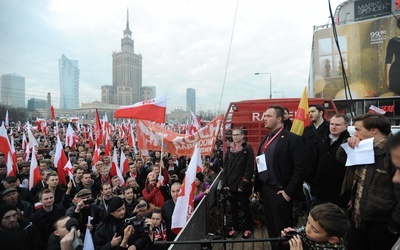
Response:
column 183, row 45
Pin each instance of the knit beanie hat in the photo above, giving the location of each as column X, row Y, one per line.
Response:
column 115, row 203
column 4, row 208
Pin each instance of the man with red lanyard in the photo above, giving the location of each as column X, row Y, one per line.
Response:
column 280, row 172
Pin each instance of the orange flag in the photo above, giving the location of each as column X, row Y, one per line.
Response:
column 301, row 119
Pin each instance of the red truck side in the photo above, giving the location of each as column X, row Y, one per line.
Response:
column 249, row 115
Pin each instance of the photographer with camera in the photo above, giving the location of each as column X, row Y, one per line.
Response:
column 326, row 228
column 83, row 208
column 117, row 231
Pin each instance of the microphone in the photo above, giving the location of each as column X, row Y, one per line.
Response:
column 74, row 224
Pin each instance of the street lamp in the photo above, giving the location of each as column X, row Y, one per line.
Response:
column 270, row 82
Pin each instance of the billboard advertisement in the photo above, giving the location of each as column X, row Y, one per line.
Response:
column 370, row 52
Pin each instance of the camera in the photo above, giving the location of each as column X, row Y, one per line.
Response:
column 291, row 234
column 138, row 224
column 88, row 201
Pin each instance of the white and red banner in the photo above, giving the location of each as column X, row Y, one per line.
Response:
column 5, row 147
column 60, row 160
column 150, row 137
column 196, row 124
column 123, row 163
column 184, row 206
column 34, row 171
column 151, row 110
column 115, row 170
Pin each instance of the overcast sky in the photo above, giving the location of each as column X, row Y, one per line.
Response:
column 184, row 44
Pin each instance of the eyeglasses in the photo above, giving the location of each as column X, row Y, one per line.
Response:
column 236, row 134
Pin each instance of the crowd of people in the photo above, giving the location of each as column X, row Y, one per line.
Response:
column 131, row 215
column 348, row 207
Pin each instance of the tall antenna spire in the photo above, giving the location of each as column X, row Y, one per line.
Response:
column 127, row 17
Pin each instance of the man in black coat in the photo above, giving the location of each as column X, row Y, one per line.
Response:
column 281, row 179
column 110, row 232
column 45, row 217
column 168, row 209
column 16, row 233
column 315, row 134
column 327, row 182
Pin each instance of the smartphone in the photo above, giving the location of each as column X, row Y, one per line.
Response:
column 88, row 201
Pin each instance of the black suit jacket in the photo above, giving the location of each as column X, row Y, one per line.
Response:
column 289, row 163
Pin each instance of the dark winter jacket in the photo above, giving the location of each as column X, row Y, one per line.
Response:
column 238, row 168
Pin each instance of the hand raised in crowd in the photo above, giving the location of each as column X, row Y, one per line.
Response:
column 128, row 231
column 80, row 205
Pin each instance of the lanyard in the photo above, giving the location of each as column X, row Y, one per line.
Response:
column 268, row 141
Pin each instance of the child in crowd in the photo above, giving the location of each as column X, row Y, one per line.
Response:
column 326, row 227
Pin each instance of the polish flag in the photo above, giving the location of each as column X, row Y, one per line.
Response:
column 70, row 137
column 184, row 206
column 114, row 167
column 107, row 149
column 24, row 141
column 60, row 160
column 196, row 124
column 31, row 137
column 6, row 121
column 97, row 129
column 123, row 163
column 27, row 154
column 91, row 141
column 132, row 141
column 10, row 165
column 96, row 157
column 69, row 170
column 152, row 110
column 13, row 155
column 5, row 146
column 34, row 171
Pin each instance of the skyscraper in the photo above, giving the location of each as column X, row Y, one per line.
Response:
column 191, row 100
column 13, row 90
column 127, row 71
column 69, row 83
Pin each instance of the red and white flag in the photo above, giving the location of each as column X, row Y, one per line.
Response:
column 60, row 160
column 132, row 141
column 91, row 141
column 5, row 146
column 70, row 137
column 34, row 171
column 196, row 124
column 123, row 163
column 96, row 157
column 13, row 155
column 31, row 137
column 97, row 129
column 10, row 167
column 184, row 206
column 152, row 110
column 68, row 169
column 24, row 141
column 115, row 171
column 107, row 149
